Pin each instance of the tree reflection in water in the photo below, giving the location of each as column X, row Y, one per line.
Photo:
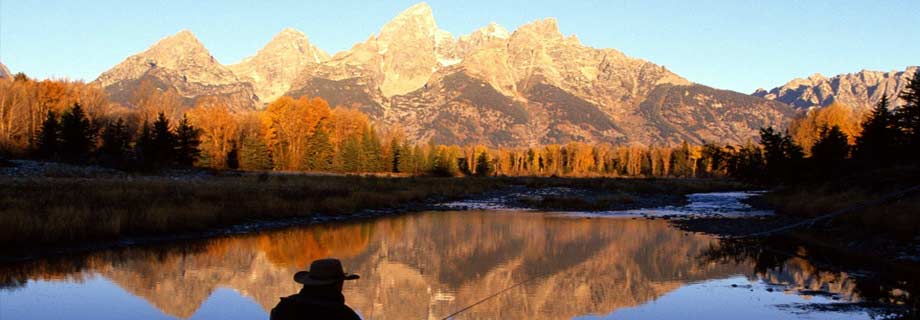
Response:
column 880, row 287
column 428, row 265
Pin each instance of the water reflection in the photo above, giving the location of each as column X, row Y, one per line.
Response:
column 424, row 265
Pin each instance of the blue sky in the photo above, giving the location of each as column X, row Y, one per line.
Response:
column 732, row 44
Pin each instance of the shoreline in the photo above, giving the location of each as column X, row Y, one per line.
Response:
column 635, row 193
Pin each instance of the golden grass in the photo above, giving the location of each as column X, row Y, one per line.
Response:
column 48, row 211
column 54, row 211
column 900, row 219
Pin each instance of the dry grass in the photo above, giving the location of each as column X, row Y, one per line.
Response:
column 54, row 211
column 900, row 219
column 50, row 211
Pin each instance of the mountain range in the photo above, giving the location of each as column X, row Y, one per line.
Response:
column 528, row 87
column 860, row 90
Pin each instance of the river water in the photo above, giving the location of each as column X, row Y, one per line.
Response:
column 430, row 264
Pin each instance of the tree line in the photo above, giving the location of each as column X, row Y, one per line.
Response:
column 77, row 124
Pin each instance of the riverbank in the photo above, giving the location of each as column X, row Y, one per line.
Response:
column 89, row 209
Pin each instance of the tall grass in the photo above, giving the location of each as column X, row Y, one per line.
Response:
column 55, row 211
column 52, row 211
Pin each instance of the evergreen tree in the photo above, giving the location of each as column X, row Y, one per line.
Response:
column 351, row 154
column 48, row 139
column 254, row 154
column 116, row 142
column 783, row 157
column 233, row 158
column 830, row 150
column 319, row 152
column 144, row 148
column 77, row 135
column 681, row 163
column 187, row 142
column 161, row 150
column 372, row 150
column 396, row 156
column 908, row 118
column 747, row 164
column 483, row 165
column 875, row 146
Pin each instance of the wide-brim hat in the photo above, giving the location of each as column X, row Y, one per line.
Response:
column 323, row 272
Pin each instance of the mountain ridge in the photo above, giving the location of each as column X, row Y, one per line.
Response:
column 860, row 90
column 531, row 86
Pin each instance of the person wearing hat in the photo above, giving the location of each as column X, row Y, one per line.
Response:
column 321, row 296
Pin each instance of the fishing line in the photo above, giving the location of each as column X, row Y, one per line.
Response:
column 490, row 297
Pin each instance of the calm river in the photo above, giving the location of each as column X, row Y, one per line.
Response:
column 427, row 265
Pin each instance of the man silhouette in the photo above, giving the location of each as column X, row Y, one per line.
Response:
column 321, row 296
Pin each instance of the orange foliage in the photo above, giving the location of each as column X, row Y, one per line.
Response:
column 219, row 129
column 288, row 123
column 805, row 130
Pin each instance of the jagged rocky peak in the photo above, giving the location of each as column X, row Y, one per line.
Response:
column 405, row 53
column 487, row 35
column 181, row 52
column 860, row 90
column 277, row 65
column 547, row 29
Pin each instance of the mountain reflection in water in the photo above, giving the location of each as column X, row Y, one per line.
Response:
column 422, row 266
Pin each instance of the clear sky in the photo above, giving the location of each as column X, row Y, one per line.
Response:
column 732, row 44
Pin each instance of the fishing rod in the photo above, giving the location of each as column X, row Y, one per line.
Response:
column 490, row 297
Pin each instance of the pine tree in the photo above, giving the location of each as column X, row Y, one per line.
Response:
column 319, row 152
column 162, row 148
column 144, row 148
column 875, row 145
column 483, row 165
column 831, row 149
column 351, row 155
column 783, row 157
column 77, row 135
column 396, row 156
column 908, row 118
column 48, row 139
column 116, row 141
column 372, row 151
column 254, row 154
column 187, row 142
column 681, row 163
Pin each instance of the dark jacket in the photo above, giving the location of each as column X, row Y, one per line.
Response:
column 314, row 303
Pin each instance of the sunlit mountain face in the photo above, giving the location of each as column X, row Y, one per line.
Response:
column 532, row 85
column 428, row 265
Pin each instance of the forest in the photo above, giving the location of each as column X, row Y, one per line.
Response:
column 69, row 121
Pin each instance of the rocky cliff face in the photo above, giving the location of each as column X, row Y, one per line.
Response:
column 532, row 86
column 861, row 90
column 177, row 62
column 274, row 68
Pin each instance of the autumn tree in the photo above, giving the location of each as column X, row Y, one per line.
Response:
column 805, row 130
column 219, row 130
column 289, row 123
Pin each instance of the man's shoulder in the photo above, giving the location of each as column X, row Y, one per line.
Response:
column 297, row 306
